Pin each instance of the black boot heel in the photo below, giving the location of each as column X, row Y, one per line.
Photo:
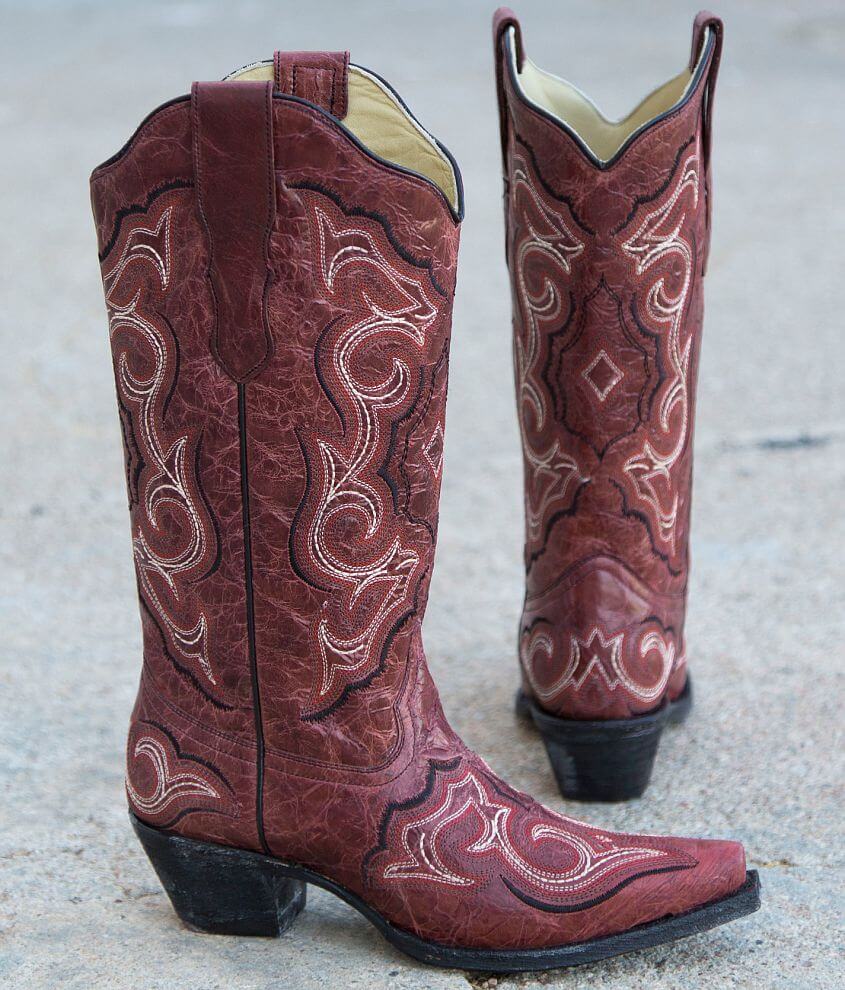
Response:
column 220, row 890
column 608, row 760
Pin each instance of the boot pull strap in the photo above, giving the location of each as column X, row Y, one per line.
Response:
column 235, row 191
column 705, row 21
column 503, row 20
column 319, row 77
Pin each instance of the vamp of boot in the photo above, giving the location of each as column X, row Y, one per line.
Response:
column 278, row 255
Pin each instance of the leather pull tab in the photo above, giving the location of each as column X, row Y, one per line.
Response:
column 319, row 77
column 503, row 20
column 704, row 22
column 235, row 189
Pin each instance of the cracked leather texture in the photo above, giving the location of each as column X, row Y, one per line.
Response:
column 234, row 175
column 321, row 78
column 606, row 266
column 340, row 437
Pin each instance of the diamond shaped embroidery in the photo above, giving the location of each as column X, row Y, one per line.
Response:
column 602, row 375
column 433, row 450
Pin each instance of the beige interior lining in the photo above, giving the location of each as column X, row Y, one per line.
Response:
column 383, row 126
column 566, row 102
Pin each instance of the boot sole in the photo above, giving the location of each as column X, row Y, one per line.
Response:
column 226, row 891
column 607, row 760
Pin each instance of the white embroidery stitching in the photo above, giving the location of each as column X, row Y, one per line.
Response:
column 552, row 470
column 586, row 374
column 435, row 444
column 540, row 640
column 168, row 487
column 646, row 247
column 594, row 858
column 169, row 786
column 345, row 489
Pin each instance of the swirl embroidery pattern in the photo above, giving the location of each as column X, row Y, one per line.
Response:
column 544, row 240
column 608, row 415
column 346, row 539
column 600, row 655
column 145, row 368
column 464, row 826
column 170, row 784
column 657, row 240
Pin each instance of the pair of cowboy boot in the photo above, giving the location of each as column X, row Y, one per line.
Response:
column 278, row 254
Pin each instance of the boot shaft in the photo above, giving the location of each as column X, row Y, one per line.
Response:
column 607, row 236
column 279, row 297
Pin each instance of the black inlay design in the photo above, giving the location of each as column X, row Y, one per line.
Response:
column 294, row 527
column 135, row 462
column 558, row 378
column 135, row 208
column 583, row 905
column 177, row 362
column 647, row 396
column 652, row 196
column 381, row 219
column 192, row 758
column 641, row 517
column 382, row 472
column 189, row 756
column 550, row 525
column 384, row 468
column 218, row 554
column 182, row 670
column 382, row 661
column 418, row 410
column 560, row 197
column 318, row 371
column 396, row 807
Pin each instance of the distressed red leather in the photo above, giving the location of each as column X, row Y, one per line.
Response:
column 284, row 530
column 233, row 168
column 606, row 261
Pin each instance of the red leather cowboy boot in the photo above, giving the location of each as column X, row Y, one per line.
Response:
column 608, row 225
column 278, row 254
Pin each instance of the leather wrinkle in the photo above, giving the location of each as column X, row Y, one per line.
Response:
column 227, row 174
column 181, row 669
column 318, row 77
column 138, row 208
column 395, row 243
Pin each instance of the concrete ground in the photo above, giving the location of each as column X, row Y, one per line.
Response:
column 762, row 757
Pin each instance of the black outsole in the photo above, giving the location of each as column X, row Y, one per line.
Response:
column 221, row 890
column 609, row 760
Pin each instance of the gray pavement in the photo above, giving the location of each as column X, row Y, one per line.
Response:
column 762, row 757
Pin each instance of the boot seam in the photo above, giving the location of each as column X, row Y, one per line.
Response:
column 151, row 688
column 605, row 562
column 250, row 619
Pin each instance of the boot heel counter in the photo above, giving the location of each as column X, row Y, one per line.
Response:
column 184, row 777
column 603, row 646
